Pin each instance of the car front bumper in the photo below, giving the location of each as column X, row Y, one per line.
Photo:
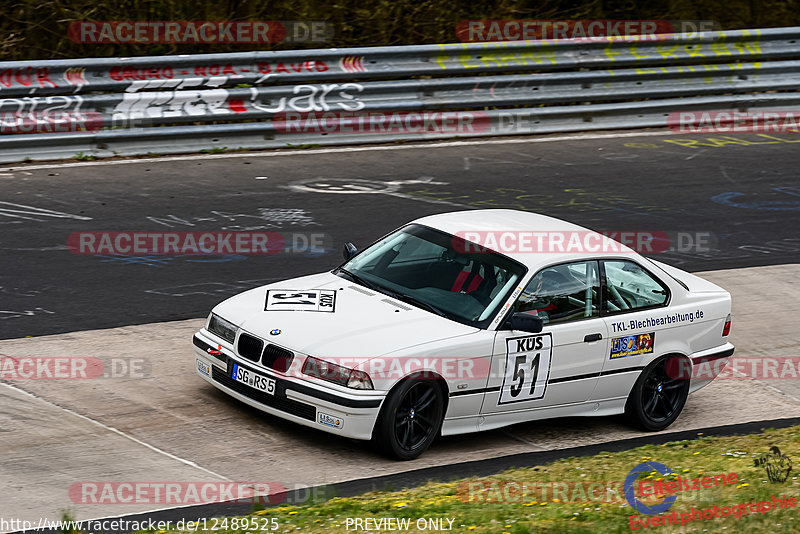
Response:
column 305, row 402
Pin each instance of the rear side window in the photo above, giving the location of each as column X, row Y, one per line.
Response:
column 630, row 287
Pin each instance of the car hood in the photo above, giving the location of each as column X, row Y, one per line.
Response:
column 364, row 324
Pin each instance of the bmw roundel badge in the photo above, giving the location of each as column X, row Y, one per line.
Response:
column 275, row 332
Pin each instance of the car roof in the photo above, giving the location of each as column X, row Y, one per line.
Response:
column 495, row 221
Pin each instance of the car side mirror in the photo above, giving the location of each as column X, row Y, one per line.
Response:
column 525, row 322
column 349, row 251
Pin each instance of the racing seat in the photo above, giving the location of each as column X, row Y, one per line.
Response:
column 478, row 281
column 468, row 280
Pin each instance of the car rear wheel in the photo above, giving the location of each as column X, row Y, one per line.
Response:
column 659, row 394
column 410, row 419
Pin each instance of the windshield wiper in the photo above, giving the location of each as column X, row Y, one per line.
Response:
column 357, row 279
column 419, row 303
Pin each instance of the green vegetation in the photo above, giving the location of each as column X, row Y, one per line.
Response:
column 574, row 511
column 303, row 146
column 35, row 29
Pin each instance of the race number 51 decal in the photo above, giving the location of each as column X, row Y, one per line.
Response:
column 323, row 300
column 527, row 368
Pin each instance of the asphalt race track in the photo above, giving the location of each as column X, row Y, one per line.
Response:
column 741, row 198
column 730, row 203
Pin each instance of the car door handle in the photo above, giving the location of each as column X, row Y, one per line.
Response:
column 592, row 337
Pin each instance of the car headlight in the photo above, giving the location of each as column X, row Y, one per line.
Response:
column 337, row 374
column 224, row 329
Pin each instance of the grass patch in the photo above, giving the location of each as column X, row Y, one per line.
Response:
column 540, row 509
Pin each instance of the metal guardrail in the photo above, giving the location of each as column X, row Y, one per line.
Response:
column 252, row 100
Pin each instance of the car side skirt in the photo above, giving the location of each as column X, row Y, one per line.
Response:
column 492, row 421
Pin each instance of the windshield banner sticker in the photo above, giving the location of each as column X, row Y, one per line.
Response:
column 320, row 300
column 632, row 345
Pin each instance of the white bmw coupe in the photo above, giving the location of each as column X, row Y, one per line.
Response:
column 470, row 321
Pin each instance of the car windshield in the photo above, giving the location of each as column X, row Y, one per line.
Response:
column 438, row 272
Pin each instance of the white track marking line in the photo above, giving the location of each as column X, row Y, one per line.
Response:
column 773, row 388
column 118, row 432
column 765, row 384
column 276, row 153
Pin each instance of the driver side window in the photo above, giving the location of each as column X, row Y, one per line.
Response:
column 563, row 293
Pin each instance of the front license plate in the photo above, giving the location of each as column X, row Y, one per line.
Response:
column 254, row 380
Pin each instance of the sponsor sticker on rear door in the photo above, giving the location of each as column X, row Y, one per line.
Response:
column 632, row 345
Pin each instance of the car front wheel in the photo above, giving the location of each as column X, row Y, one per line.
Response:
column 410, row 419
column 659, row 394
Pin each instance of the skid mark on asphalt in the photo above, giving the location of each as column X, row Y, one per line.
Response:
column 696, row 154
column 118, row 432
column 13, row 314
column 37, row 249
column 31, row 213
